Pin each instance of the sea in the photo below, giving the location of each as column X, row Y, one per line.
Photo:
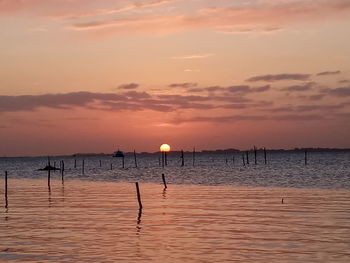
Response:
column 215, row 208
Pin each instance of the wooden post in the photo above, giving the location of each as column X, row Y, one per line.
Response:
column 243, row 159
column 265, row 155
column 233, row 160
column 255, row 153
column 62, row 170
column 159, row 161
column 49, row 174
column 138, row 195
column 182, row 158
column 163, row 161
column 164, row 182
column 166, row 158
column 193, row 156
column 111, row 166
column 305, row 156
column 75, row 163
column 123, row 162
column 6, row 200
column 49, row 179
column 247, row 154
column 83, row 167
column 100, row 163
column 135, row 159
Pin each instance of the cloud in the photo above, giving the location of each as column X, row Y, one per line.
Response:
column 128, row 86
column 339, row 92
column 266, row 17
column 279, row 77
column 247, row 89
column 58, row 101
column 130, row 100
column 194, row 56
column 303, row 87
column 315, row 97
column 237, row 118
column 328, row 73
column 185, row 85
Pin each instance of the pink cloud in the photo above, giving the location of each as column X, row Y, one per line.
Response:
column 265, row 18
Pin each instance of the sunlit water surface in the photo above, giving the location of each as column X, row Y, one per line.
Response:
column 213, row 212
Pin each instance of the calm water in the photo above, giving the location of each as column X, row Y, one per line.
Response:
column 213, row 212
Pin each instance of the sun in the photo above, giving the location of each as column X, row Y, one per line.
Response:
column 165, row 147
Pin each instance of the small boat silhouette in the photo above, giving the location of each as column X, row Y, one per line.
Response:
column 118, row 154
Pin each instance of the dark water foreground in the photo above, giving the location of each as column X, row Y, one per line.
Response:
column 87, row 221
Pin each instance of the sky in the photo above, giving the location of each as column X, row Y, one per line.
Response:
column 83, row 76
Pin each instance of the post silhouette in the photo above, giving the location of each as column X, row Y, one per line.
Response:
column 165, row 158
column 62, row 170
column 305, row 157
column 182, row 158
column 243, row 159
column 6, row 200
column 247, row 154
column 233, row 160
column 123, row 162
column 83, row 167
column 111, row 166
column 49, row 174
column 75, row 163
column 100, row 163
column 255, row 153
column 265, row 155
column 164, row 182
column 194, row 155
column 138, row 195
column 135, row 159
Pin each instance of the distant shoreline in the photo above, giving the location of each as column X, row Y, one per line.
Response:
column 219, row 151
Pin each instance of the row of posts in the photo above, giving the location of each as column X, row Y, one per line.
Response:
column 49, row 187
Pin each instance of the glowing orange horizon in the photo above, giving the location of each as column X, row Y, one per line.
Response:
column 165, row 147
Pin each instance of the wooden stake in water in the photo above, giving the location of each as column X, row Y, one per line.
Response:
column 75, row 163
column 111, row 166
column 138, row 195
column 123, row 163
column 83, row 167
column 265, row 155
column 305, row 157
column 247, row 154
column 6, row 200
column 62, row 170
column 255, row 153
column 182, row 158
column 164, row 182
column 243, row 159
column 135, row 159
column 193, row 156
column 49, row 174
column 165, row 159
column 100, row 163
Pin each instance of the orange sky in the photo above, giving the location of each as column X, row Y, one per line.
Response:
column 91, row 76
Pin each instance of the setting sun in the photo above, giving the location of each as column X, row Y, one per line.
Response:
column 165, row 148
